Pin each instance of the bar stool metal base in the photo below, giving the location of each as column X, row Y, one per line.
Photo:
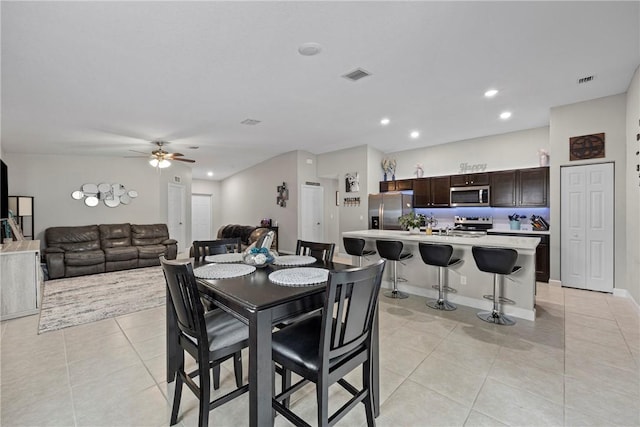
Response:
column 441, row 304
column 496, row 317
column 396, row 294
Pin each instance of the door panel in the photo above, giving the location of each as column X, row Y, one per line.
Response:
column 176, row 215
column 201, row 217
column 587, row 228
column 312, row 213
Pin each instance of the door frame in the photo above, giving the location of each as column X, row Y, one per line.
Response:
column 182, row 239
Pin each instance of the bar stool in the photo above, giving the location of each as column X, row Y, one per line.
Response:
column 392, row 251
column 501, row 262
column 442, row 257
column 355, row 247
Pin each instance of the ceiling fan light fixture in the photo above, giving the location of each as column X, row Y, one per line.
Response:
column 154, row 163
column 164, row 163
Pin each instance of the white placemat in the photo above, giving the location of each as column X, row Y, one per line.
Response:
column 223, row 271
column 301, row 276
column 224, row 258
column 294, row 260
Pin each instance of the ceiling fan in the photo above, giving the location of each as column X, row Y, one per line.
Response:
column 160, row 158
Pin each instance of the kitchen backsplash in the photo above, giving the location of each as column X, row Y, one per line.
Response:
column 500, row 216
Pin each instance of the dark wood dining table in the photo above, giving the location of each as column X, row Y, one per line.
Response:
column 261, row 304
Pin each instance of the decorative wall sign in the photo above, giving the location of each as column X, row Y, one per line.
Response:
column 586, row 147
column 467, row 168
column 112, row 195
column 352, row 182
column 283, row 195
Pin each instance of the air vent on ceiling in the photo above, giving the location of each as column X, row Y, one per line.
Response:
column 586, row 79
column 250, row 122
column 357, row 74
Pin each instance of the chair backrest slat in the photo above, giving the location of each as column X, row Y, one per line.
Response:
column 323, row 252
column 352, row 296
column 185, row 297
column 202, row 248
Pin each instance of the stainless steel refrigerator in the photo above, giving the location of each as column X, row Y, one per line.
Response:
column 385, row 208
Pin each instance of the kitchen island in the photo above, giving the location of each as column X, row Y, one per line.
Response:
column 471, row 284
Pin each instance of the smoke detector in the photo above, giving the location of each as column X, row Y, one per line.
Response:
column 250, row 122
column 309, row 49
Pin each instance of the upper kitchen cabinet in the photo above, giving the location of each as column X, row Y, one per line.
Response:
column 399, row 185
column 522, row 187
column 431, row 192
column 470, row 179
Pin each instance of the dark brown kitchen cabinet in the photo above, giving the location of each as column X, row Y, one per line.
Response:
column 399, row 185
column 431, row 192
column 520, row 188
column 470, row 179
column 543, row 264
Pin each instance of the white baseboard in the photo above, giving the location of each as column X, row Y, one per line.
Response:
column 553, row 282
column 623, row 293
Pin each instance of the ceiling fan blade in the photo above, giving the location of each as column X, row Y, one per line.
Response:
column 134, row 157
column 141, row 152
column 177, row 154
column 185, row 160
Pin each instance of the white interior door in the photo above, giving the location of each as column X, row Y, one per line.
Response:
column 201, row 217
column 587, row 227
column 176, row 215
column 312, row 213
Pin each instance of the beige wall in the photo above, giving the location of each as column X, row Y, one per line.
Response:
column 51, row 180
column 632, row 228
column 606, row 115
column 250, row 195
column 514, row 150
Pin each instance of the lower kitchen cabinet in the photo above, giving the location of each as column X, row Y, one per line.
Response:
column 543, row 264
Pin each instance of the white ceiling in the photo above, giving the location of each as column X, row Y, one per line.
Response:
column 104, row 78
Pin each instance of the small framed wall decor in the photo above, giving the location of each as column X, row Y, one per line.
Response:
column 586, row 147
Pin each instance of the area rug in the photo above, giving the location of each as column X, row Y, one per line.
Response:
column 79, row 300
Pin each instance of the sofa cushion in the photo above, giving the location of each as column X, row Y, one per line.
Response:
column 153, row 234
column 84, row 258
column 151, row 251
column 115, row 235
column 121, row 253
column 83, row 238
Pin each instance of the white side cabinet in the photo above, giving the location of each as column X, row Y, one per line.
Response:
column 19, row 278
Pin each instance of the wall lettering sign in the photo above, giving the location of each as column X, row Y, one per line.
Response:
column 467, row 168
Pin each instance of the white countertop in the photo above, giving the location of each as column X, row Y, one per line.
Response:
column 508, row 230
column 521, row 243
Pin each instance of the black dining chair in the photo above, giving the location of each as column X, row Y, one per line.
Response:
column 203, row 248
column 323, row 252
column 210, row 338
column 324, row 348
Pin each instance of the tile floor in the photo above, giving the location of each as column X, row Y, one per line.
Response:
column 577, row 365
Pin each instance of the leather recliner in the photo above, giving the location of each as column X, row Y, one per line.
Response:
column 91, row 249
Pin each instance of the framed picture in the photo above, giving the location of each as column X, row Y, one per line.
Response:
column 586, row 147
column 352, row 182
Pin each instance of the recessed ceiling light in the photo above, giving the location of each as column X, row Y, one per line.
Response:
column 414, row 134
column 505, row 115
column 491, row 93
column 385, row 121
column 309, row 49
column 209, row 173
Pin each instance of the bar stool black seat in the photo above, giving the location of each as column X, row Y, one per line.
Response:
column 392, row 250
column 501, row 262
column 442, row 257
column 355, row 247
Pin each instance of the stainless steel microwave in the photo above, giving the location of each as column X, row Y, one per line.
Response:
column 469, row 196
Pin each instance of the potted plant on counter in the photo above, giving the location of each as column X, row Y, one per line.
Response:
column 412, row 222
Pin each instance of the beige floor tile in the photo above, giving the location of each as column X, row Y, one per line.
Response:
column 514, row 406
column 91, row 330
column 102, row 365
column 597, row 323
column 90, row 347
column 575, row 418
column 144, row 332
column 411, row 339
column 153, row 347
column 477, row 419
column 53, row 410
column 415, row 405
column 155, row 316
column 400, row 360
column 521, row 374
column 617, row 408
column 477, row 358
column 536, row 355
column 603, row 376
column 611, row 339
column 143, row 408
column 449, row 379
column 580, row 351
